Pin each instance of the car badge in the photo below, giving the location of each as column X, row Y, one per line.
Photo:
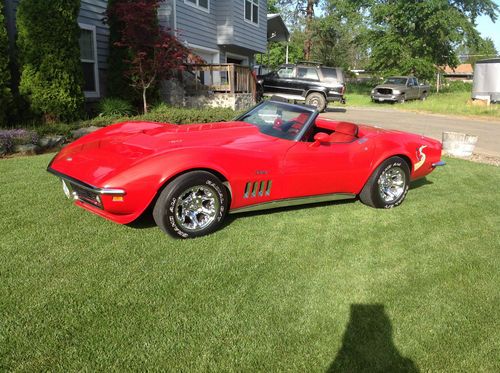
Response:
column 69, row 159
column 421, row 157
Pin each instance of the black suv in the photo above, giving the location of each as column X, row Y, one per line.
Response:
column 305, row 81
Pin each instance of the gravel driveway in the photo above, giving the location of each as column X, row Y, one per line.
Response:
column 431, row 125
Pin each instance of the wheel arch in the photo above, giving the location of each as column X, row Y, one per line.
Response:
column 382, row 159
column 316, row 90
column 224, row 180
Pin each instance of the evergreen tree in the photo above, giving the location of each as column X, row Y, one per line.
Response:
column 49, row 52
column 5, row 78
column 118, row 85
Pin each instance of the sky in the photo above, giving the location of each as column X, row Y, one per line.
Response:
column 490, row 29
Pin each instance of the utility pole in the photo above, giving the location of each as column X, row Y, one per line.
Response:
column 309, row 20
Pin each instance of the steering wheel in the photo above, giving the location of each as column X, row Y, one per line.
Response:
column 278, row 122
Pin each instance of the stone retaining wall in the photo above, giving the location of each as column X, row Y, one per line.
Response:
column 173, row 93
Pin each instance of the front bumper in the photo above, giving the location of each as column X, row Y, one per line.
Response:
column 85, row 188
column 335, row 97
column 438, row 164
column 385, row 97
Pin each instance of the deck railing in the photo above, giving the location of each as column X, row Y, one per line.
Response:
column 226, row 77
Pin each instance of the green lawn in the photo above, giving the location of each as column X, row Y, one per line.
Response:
column 454, row 103
column 337, row 287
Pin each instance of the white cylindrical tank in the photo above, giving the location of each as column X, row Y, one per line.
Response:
column 486, row 85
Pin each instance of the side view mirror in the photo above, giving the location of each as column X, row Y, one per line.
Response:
column 321, row 138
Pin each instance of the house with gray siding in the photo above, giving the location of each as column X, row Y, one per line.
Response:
column 219, row 31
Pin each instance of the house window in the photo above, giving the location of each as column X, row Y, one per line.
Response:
column 252, row 11
column 202, row 4
column 88, row 58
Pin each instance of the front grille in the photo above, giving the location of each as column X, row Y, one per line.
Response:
column 385, row 91
column 86, row 196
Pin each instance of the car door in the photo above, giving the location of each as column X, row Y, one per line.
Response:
column 281, row 81
column 413, row 89
column 307, row 77
column 313, row 169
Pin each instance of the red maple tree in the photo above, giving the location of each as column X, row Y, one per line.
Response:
column 154, row 53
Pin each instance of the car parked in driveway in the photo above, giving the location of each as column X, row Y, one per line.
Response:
column 275, row 155
column 400, row 89
column 310, row 82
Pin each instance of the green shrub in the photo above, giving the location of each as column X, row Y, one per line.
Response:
column 169, row 114
column 5, row 93
column 456, row 86
column 114, row 107
column 51, row 72
column 161, row 113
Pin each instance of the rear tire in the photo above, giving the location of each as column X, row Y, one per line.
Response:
column 316, row 99
column 192, row 205
column 388, row 185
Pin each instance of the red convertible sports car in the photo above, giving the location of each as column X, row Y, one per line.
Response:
column 274, row 155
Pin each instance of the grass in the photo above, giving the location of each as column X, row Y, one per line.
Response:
column 336, row 287
column 449, row 103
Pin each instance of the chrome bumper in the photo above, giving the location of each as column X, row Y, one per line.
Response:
column 85, row 186
column 79, row 191
column 440, row 163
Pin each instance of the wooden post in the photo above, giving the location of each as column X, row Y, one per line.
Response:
column 231, row 78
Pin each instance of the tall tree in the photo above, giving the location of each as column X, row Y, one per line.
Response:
column 308, row 42
column 340, row 34
column 481, row 49
column 413, row 37
column 51, row 71
column 5, row 81
column 117, row 83
column 154, row 54
column 299, row 14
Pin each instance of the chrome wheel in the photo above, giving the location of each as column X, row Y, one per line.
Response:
column 196, row 208
column 391, row 184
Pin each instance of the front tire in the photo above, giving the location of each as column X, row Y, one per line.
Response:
column 316, row 99
column 402, row 99
column 388, row 185
column 192, row 205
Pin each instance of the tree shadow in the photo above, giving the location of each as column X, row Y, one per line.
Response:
column 335, row 110
column 367, row 345
column 420, row 183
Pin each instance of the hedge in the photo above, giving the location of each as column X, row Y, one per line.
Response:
column 5, row 78
column 51, row 72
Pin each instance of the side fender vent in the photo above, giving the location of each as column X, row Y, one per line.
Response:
column 255, row 189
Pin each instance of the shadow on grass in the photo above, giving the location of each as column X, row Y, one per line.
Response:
column 146, row 220
column 367, row 345
column 230, row 218
column 420, row 183
column 335, row 110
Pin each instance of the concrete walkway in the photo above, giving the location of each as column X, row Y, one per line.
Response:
column 432, row 125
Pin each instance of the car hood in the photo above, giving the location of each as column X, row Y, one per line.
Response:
column 104, row 153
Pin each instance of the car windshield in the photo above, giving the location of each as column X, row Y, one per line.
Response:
column 397, row 81
column 278, row 119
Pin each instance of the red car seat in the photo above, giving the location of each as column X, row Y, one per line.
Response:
column 344, row 132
